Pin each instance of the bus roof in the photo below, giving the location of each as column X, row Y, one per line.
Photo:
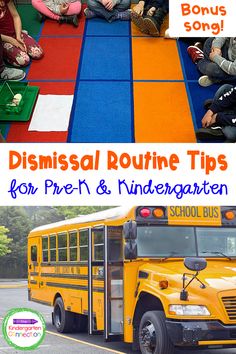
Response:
column 108, row 214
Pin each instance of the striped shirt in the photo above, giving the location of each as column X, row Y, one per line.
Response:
column 229, row 66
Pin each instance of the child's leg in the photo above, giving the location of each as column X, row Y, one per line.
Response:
column 42, row 8
column 74, row 8
column 98, row 8
column 123, row 5
column 159, row 16
column 33, row 48
column 15, row 56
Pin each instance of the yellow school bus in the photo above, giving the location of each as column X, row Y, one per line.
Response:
column 157, row 277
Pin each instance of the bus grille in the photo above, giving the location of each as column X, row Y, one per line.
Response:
column 230, row 306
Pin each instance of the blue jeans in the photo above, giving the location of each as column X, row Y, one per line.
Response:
column 97, row 7
column 228, row 131
column 212, row 70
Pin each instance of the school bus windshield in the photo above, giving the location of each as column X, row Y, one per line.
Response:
column 162, row 241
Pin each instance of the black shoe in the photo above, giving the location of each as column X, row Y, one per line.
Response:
column 214, row 133
column 41, row 17
column 73, row 19
column 208, row 103
column 159, row 16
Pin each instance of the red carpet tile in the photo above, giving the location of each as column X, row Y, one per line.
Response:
column 60, row 61
column 55, row 88
column 19, row 131
column 53, row 28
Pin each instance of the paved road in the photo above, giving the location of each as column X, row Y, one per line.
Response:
column 56, row 343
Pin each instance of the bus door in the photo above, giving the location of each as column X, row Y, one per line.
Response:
column 114, row 309
column 96, row 280
column 33, row 263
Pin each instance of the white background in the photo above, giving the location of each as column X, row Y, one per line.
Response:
column 183, row 175
column 177, row 21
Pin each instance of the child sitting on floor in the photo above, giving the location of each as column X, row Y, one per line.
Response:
column 59, row 10
column 18, row 46
column 111, row 10
column 10, row 74
column 219, row 122
column 149, row 15
column 219, row 61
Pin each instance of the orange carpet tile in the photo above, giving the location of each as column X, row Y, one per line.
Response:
column 161, row 113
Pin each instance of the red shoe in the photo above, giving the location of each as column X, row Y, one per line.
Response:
column 195, row 53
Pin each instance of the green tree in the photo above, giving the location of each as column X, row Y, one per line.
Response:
column 4, row 241
column 18, row 223
column 42, row 215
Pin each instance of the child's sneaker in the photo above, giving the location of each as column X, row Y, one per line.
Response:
column 212, row 133
column 198, row 45
column 195, row 53
column 89, row 13
column 151, row 26
column 205, row 81
column 138, row 21
column 12, row 74
column 167, row 35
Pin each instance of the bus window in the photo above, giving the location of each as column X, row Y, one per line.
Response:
column 231, row 245
column 83, row 245
column 73, row 245
column 98, row 245
column 34, row 254
column 62, row 246
column 212, row 240
column 161, row 241
column 115, row 244
column 52, row 246
column 45, row 248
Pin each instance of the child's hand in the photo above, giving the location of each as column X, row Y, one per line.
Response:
column 139, row 8
column 64, row 8
column 108, row 4
column 20, row 40
column 216, row 50
column 151, row 11
column 208, row 119
column 17, row 44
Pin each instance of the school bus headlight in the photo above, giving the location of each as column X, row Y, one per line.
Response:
column 189, row 310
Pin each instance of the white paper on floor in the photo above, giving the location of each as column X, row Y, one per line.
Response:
column 51, row 113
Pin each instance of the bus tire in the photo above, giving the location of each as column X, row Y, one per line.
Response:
column 63, row 320
column 153, row 335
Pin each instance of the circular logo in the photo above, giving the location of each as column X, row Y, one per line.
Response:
column 23, row 328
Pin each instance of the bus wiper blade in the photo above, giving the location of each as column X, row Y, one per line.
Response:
column 169, row 255
column 222, row 254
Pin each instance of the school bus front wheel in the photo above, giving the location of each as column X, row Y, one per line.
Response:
column 63, row 320
column 153, row 335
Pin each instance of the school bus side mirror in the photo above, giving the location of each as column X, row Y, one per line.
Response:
column 196, row 264
column 130, row 230
column 130, row 251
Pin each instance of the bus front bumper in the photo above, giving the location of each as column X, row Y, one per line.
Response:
column 203, row 333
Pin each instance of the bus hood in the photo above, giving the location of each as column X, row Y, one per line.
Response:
column 219, row 275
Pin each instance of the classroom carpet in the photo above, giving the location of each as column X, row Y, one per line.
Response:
column 127, row 87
